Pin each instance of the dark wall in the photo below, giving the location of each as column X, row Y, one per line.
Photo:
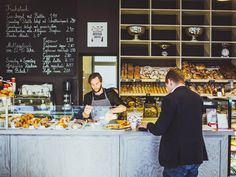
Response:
column 99, row 11
column 87, row 11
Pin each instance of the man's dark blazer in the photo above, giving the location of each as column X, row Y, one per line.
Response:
column 180, row 125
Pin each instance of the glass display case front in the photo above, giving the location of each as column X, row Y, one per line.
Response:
column 232, row 158
column 5, row 103
column 60, row 117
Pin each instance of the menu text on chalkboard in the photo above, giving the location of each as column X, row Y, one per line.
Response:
column 39, row 38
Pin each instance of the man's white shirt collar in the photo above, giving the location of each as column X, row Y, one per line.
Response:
column 176, row 88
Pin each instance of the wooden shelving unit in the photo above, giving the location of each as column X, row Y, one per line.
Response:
column 167, row 21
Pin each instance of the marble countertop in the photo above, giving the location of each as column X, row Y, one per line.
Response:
column 94, row 131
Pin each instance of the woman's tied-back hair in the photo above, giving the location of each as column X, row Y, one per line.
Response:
column 176, row 75
column 94, row 75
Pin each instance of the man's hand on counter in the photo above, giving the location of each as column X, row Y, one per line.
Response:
column 144, row 125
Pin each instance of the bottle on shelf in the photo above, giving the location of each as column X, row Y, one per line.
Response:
column 13, row 82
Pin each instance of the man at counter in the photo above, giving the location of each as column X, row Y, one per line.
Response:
column 182, row 148
column 98, row 101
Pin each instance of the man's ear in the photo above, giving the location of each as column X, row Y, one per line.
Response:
column 171, row 82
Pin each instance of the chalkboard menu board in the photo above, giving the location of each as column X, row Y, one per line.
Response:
column 38, row 37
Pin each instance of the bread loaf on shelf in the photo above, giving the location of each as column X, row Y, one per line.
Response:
column 143, row 88
column 130, row 71
column 137, row 72
column 200, row 71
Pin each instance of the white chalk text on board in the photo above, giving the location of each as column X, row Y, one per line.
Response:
column 38, row 42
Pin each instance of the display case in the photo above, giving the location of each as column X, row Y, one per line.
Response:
column 223, row 106
column 232, row 149
column 5, row 109
column 25, row 117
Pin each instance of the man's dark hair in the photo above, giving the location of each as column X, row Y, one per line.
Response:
column 175, row 74
column 94, row 75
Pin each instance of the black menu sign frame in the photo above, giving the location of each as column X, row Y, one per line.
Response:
column 38, row 37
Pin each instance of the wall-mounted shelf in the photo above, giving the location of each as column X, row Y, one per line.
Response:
column 167, row 22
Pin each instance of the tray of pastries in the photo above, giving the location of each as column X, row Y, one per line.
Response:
column 200, row 71
column 30, row 121
column 119, row 126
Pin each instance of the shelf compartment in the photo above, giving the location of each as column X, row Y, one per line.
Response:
column 138, row 4
column 223, row 5
column 205, row 36
column 126, row 36
column 223, row 34
column 212, row 63
column 196, row 49
column 135, row 49
column 193, row 4
column 135, row 19
column 217, row 48
column 166, row 11
column 170, row 19
column 165, row 34
column 143, row 89
column 173, row 50
column 196, row 18
column 223, row 18
column 165, row 4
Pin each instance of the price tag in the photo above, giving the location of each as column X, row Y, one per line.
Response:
column 211, row 81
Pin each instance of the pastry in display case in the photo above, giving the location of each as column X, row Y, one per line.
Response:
column 200, row 71
column 118, row 126
column 6, row 92
column 150, row 107
column 31, row 117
